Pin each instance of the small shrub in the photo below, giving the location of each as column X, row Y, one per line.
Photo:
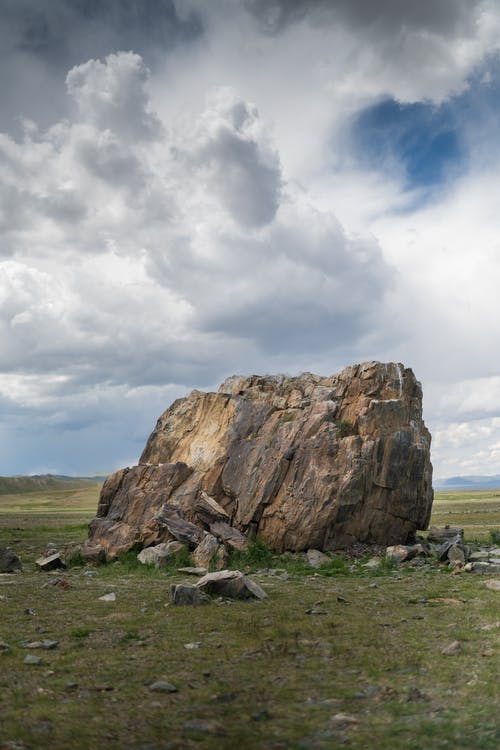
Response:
column 495, row 537
column 81, row 633
column 344, row 428
column 74, row 559
column 257, row 555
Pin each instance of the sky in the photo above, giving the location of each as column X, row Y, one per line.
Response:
column 193, row 189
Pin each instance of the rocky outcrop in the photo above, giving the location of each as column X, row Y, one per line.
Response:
column 301, row 462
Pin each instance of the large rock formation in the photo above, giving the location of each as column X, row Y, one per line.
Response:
column 302, row 462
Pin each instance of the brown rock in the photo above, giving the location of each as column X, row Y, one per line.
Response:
column 93, row 553
column 205, row 551
column 208, row 510
column 304, row 462
column 229, row 535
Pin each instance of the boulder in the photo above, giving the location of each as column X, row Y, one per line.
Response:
column 231, row 584
column 208, row 510
column 160, row 553
column 93, row 553
column 51, row 562
column 445, row 533
column 229, row 535
column 302, row 462
column 183, row 594
column 205, row 551
column 315, row 558
column 9, row 562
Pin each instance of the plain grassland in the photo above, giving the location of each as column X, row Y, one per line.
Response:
column 367, row 673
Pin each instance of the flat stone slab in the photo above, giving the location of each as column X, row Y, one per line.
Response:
column 231, row 584
column 52, row 562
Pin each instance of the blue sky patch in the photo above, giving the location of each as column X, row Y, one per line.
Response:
column 422, row 141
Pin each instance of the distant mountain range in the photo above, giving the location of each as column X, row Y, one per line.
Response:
column 468, row 483
column 40, row 482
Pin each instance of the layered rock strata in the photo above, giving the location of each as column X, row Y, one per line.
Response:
column 302, row 462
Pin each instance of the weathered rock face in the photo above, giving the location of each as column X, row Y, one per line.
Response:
column 303, row 462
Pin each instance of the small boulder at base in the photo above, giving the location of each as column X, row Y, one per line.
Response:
column 94, row 554
column 231, row 584
column 205, row 551
column 160, row 553
column 52, row 562
column 183, row 594
column 9, row 562
column 401, row 552
column 315, row 558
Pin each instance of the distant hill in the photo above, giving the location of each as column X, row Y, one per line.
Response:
column 468, row 483
column 41, row 482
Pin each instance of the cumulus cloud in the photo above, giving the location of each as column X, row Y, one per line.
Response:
column 112, row 95
column 144, row 253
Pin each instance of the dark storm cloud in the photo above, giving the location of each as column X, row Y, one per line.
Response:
column 63, row 32
column 40, row 40
column 447, row 17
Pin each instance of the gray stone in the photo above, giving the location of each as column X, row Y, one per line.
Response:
column 315, row 558
column 163, row 686
column 9, row 562
column 193, row 571
column 32, row 659
column 184, row 531
column 456, row 554
column 111, row 597
column 479, row 556
column 442, row 533
column 46, row 644
column 160, row 553
column 485, row 568
column 190, row 595
column 232, row 584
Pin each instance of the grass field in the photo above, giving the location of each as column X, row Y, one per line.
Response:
column 366, row 671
